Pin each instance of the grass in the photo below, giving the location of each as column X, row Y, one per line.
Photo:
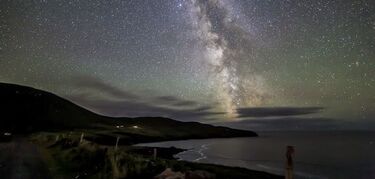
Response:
column 56, row 124
column 69, row 159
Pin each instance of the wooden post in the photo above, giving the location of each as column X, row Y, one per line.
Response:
column 155, row 153
column 289, row 162
column 81, row 140
column 117, row 140
column 57, row 138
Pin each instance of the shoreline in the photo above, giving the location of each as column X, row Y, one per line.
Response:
column 70, row 159
column 171, row 152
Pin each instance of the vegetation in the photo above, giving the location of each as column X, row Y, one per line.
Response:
column 89, row 160
column 77, row 143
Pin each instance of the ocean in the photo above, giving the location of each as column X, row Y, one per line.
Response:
column 320, row 154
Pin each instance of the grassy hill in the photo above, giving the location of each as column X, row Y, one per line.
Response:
column 26, row 110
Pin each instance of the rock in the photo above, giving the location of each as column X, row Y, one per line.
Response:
column 199, row 174
column 169, row 174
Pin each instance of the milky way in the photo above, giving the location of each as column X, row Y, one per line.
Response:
column 225, row 44
column 197, row 60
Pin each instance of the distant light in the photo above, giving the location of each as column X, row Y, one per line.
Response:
column 7, row 134
column 135, row 127
column 119, row 126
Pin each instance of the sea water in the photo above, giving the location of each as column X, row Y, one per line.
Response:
column 329, row 154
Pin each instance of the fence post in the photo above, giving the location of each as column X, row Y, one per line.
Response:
column 81, row 140
column 289, row 162
column 155, row 153
column 117, row 140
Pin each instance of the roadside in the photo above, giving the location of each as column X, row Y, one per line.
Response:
column 74, row 159
column 20, row 159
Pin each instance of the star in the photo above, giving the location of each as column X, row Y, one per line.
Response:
column 228, row 55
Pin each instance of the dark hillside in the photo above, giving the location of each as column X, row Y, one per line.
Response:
column 26, row 110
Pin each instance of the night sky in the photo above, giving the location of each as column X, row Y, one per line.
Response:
column 263, row 64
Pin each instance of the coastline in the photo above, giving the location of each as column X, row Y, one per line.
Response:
column 267, row 153
column 68, row 158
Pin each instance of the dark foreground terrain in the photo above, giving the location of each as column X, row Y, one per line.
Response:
column 70, row 158
column 55, row 138
column 21, row 159
column 25, row 110
column 42, row 155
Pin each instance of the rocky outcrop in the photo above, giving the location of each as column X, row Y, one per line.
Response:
column 198, row 174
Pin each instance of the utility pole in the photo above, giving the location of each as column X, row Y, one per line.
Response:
column 289, row 162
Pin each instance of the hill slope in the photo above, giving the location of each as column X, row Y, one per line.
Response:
column 25, row 110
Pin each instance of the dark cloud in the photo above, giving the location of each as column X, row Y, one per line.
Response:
column 204, row 108
column 277, row 111
column 139, row 109
column 166, row 98
column 171, row 100
column 299, row 124
column 186, row 103
column 276, row 124
column 97, row 85
column 125, row 104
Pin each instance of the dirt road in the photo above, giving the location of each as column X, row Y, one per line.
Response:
column 21, row 159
